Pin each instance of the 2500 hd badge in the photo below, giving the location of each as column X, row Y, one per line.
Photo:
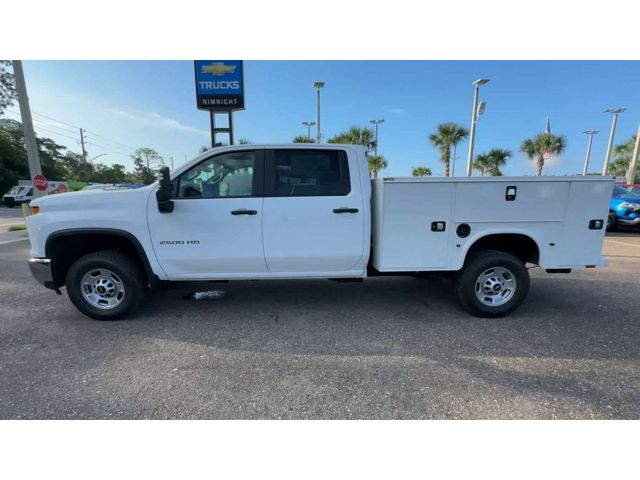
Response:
column 179, row 242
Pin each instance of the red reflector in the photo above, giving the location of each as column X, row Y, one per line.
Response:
column 590, row 266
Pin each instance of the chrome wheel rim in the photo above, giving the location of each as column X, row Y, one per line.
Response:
column 495, row 286
column 102, row 288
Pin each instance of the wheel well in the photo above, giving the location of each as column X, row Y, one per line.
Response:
column 516, row 244
column 65, row 248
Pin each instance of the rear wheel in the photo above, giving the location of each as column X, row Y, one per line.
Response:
column 105, row 285
column 492, row 284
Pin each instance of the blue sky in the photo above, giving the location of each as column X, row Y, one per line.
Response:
column 129, row 104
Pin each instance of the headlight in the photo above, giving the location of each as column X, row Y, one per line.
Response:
column 632, row 206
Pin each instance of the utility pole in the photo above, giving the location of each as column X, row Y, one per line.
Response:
column 631, row 173
column 27, row 125
column 172, row 162
column 591, row 133
column 84, row 154
column 376, row 123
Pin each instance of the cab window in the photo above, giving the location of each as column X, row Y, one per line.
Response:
column 224, row 176
column 312, row 172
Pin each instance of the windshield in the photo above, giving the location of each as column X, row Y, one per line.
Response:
column 623, row 192
column 16, row 190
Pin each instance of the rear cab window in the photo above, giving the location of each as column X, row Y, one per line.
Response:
column 309, row 173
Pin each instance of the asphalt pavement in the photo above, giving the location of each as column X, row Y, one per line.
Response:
column 388, row 348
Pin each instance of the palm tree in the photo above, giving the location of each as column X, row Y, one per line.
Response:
column 622, row 157
column 492, row 161
column 376, row 163
column 447, row 135
column 356, row 136
column 481, row 163
column 543, row 144
column 303, row 139
column 244, row 141
column 421, row 172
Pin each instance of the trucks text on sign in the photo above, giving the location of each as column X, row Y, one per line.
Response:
column 219, row 85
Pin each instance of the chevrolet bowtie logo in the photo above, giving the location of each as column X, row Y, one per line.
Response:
column 218, row 69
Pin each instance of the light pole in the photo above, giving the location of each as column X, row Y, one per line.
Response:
column 318, row 86
column 376, row 123
column 615, row 112
column 475, row 113
column 591, row 133
column 97, row 157
column 308, row 125
column 631, row 173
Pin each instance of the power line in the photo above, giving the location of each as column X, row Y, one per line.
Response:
column 110, row 141
column 56, row 133
column 100, row 143
column 75, row 128
column 104, row 147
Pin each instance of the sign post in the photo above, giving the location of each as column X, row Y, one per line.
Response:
column 219, row 89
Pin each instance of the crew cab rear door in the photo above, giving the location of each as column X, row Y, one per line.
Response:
column 314, row 213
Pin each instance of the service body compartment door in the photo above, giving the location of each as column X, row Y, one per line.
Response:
column 413, row 225
column 314, row 216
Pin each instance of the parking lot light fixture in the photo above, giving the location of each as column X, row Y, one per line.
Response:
column 318, row 86
column 474, row 118
column 614, row 121
column 376, row 123
column 591, row 133
column 308, row 125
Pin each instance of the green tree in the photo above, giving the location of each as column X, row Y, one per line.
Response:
column 376, row 163
column 543, row 144
column 421, row 172
column 447, row 135
column 244, row 141
column 303, row 139
column 146, row 161
column 7, row 86
column 115, row 173
column 622, row 158
column 356, row 136
column 492, row 162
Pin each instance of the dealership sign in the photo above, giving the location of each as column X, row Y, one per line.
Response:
column 219, row 85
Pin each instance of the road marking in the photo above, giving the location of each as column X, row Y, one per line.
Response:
column 14, row 240
column 622, row 243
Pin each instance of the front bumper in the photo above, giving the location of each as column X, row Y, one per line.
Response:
column 629, row 221
column 41, row 271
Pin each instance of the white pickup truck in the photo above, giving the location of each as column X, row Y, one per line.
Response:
column 312, row 211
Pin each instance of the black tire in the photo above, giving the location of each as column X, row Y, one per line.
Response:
column 478, row 264
column 612, row 222
column 124, row 267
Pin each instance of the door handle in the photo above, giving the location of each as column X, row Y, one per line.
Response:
column 244, row 211
column 345, row 210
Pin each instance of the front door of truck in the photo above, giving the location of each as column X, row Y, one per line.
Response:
column 314, row 212
column 215, row 229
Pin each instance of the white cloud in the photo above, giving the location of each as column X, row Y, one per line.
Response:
column 398, row 111
column 153, row 119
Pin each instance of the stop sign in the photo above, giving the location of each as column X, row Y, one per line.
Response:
column 40, row 182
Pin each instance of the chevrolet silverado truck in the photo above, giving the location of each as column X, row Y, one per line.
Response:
column 312, row 212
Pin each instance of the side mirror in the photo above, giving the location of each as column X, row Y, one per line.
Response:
column 163, row 195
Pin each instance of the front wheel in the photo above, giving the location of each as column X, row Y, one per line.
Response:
column 105, row 285
column 612, row 221
column 492, row 284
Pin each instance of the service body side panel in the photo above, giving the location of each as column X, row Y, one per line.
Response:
column 553, row 211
